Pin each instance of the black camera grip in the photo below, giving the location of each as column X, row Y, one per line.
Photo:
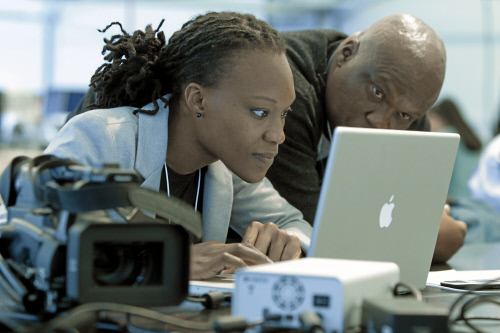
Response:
column 171, row 208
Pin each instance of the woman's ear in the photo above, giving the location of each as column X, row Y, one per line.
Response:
column 193, row 94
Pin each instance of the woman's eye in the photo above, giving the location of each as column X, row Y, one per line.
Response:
column 404, row 115
column 285, row 113
column 377, row 92
column 260, row 113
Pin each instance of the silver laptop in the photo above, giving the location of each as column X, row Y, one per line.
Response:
column 383, row 196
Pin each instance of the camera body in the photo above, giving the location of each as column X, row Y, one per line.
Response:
column 62, row 248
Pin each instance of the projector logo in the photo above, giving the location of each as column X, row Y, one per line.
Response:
column 385, row 217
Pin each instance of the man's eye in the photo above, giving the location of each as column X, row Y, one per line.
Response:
column 377, row 92
column 260, row 113
column 404, row 115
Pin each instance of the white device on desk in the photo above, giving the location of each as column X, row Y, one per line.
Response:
column 220, row 282
column 332, row 288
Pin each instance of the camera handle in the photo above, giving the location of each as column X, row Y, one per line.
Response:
column 173, row 209
column 107, row 196
column 74, row 197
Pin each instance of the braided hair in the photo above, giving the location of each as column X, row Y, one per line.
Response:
column 142, row 68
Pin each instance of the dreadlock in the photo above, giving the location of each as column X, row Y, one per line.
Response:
column 142, row 68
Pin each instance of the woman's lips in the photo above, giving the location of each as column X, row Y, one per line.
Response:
column 265, row 157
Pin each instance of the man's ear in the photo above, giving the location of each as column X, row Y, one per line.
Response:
column 193, row 95
column 347, row 51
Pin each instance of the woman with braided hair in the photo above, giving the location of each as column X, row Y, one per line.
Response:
column 201, row 118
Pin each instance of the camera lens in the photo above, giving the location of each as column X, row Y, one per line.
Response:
column 133, row 264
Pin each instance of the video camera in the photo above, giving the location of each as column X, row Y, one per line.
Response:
column 59, row 246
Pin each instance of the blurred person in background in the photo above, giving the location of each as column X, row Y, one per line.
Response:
column 446, row 117
column 484, row 184
column 468, row 200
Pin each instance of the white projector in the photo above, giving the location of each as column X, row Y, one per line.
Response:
column 332, row 288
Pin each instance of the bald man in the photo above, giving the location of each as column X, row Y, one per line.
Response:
column 386, row 76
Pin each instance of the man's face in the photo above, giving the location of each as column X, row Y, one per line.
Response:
column 245, row 113
column 379, row 87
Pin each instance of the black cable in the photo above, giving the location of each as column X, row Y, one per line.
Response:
column 414, row 291
column 223, row 324
column 474, row 302
column 20, row 316
column 311, row 322
column 84, row 309
column 468, row 305
column 211, row 300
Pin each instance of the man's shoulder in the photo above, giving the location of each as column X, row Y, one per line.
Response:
column 313, row 36
column 308, row 51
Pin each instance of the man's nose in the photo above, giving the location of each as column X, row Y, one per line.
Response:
column 379, row 118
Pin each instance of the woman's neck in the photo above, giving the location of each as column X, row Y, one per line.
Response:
column 184, row 154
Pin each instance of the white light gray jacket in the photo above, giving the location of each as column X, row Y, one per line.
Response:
column 140, row 142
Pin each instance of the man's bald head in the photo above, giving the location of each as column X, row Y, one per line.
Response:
column 401, row 59
column 408, row 31
column 404, row 34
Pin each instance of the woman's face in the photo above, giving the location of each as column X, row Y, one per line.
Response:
column 244, row 113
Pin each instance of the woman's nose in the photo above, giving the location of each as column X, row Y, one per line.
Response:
column 275, row 133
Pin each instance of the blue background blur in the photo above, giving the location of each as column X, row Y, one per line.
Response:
column 50, row 49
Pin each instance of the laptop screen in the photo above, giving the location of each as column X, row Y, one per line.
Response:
column 383, row 196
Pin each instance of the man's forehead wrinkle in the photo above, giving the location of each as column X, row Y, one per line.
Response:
column 392, row 77
column 391, row 65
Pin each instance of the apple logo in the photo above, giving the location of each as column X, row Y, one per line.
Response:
column 385, row 218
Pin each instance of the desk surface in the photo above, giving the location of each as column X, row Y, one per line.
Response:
column 470, row 257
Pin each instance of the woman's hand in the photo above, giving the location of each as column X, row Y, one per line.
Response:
column 270, row 240
column 211, row 257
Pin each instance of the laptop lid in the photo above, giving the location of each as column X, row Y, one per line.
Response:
column 383, row 196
